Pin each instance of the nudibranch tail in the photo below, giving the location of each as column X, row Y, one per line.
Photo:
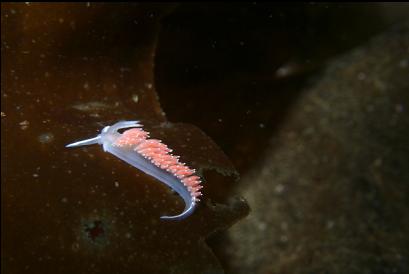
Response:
column 186, row 213
column 152, row 157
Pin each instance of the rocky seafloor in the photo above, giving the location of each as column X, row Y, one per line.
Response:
column 332, row 193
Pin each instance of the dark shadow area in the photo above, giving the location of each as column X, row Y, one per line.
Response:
column 235, row 71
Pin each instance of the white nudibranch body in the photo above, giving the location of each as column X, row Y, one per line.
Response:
column 152, row 157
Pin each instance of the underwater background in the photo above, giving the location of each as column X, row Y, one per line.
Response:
column 296, row 116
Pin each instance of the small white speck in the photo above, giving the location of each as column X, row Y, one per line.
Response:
column 135, row 98
column 116, row 184
column 283, row 71
column 24, row 124
column 261, row 125
column 35, row 175
column 64, row 200
column 61, row 20
column 46, row 138
column 220, row 120
column 86, row 85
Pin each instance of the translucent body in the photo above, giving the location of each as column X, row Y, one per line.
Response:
column 107, row 139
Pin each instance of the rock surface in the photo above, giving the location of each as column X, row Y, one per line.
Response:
column 332, row 194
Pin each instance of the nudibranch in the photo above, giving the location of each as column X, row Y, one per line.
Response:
column 152, row 157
